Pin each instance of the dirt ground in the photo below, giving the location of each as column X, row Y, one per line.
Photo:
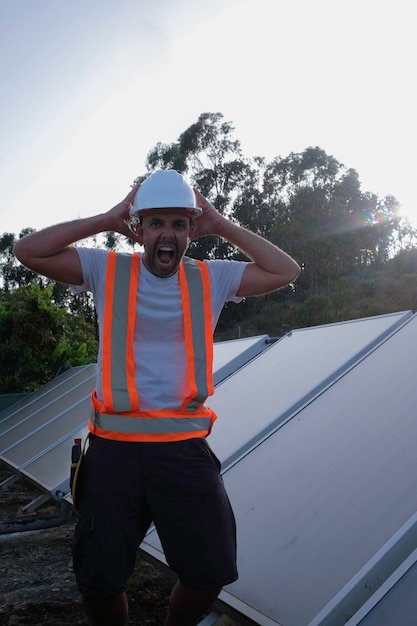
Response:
column 37, row 585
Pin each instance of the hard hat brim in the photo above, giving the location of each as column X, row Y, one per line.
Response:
column 193, row 211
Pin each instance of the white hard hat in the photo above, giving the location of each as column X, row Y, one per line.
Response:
column 164, row 189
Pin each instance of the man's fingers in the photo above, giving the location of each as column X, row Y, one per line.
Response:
column 201, row 200
column 199, row 195
column 132, row 193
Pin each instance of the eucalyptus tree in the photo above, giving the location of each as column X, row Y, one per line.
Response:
column 13, row 274
column 212, row 159
column 324, row 219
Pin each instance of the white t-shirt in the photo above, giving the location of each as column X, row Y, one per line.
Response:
column 160, row 357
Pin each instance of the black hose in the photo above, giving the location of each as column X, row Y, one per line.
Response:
column 64, row 516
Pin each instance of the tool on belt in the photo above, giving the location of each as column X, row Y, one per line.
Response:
column 77, row 456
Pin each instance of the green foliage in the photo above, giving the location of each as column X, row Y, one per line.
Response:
column 38, row 339
column 388, row 288
column 324, row 220
column 13, row 274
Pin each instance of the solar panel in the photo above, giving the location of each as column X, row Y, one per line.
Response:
column 325, row 490
column 47, row 393
column 286, row 375
column 40, row 427
column 332, row 487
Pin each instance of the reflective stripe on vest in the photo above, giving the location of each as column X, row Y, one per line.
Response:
column 160, row 425
column 118, row 362
column 121, row 401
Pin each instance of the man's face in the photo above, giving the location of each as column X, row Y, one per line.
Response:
column 165, row 237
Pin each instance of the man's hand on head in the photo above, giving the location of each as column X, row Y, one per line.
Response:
column 119, row 218
column 209, row 222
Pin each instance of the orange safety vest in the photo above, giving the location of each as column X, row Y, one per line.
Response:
column 119, row 415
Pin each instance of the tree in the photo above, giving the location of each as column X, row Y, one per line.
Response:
column 324, row 219
column 39, row 339
column 213, row 161
column 252, row 208
column 13, row 274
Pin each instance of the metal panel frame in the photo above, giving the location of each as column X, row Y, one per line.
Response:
column 390, row 562
column 397, row 579
column 229, row 356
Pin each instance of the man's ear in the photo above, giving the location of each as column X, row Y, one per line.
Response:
column 193, row 227
column 139, row 232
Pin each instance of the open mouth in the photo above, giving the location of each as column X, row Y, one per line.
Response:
column 166, row 254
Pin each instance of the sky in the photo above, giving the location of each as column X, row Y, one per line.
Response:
column 89, row 87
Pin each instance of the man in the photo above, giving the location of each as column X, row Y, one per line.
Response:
column 148, row 458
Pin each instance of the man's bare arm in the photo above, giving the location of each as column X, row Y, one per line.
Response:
column 50, row 252
column 271, row 267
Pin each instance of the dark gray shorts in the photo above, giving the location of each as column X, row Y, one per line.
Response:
column 124, row 487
